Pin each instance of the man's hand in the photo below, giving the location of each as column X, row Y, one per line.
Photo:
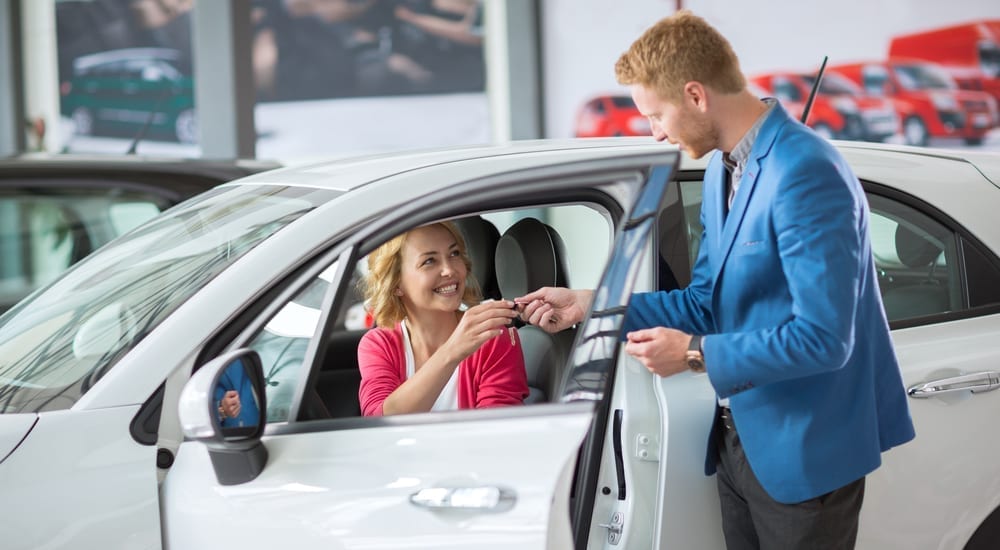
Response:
column 554, row 308
column 230, row 404
column 661, row 350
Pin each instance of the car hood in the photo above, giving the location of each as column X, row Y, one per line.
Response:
column 13, row 429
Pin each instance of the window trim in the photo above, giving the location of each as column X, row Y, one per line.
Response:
column 963, row 236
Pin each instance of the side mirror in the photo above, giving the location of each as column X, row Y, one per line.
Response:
column 224, row 406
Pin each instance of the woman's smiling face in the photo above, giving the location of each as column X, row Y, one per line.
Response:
column 433, row 273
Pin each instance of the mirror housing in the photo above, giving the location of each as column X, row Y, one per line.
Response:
column 224, row 406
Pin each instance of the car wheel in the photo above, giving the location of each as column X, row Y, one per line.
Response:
column 823, row 130
column 974, row 141
column 83, row 121
column 986, row 535
column 186, row 126
column 915, row 132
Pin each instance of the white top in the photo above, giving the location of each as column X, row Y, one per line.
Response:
column 448, row 399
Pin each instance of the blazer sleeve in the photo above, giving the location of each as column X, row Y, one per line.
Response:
column 502, row 378
column 688, row 309
column 381, row 371
column 818, row 211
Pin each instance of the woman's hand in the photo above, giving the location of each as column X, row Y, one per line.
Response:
column 479, row 324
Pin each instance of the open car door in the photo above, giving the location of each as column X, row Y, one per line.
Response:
column 492, row 478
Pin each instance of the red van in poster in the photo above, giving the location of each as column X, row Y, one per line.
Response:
column 610, row 116
column 841, row 110
column 970, row 52
column 927, row 100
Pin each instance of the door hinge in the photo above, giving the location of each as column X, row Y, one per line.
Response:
column 647, row 448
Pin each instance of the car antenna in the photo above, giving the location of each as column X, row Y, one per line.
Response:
column 812, row 93
column 149, row 120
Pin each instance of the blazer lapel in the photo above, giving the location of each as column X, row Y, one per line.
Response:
column 761, row 147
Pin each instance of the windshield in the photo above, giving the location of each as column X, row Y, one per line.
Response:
column 60, row 341
column 989, row 59
column 833, row 84
column 923, row 77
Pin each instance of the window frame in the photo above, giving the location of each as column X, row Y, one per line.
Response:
column 348, row 251
column 963, row 238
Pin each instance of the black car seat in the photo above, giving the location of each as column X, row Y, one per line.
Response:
column 481, row 238
column 529, row 255
column 925, row 297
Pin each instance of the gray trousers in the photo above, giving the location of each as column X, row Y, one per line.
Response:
column 752, row 520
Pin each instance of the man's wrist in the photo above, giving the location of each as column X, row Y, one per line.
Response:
column 694, row 356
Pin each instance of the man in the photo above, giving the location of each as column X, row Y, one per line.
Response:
column 783, row 311
column 235, row 398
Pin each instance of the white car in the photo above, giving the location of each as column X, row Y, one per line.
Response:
column 97, row 392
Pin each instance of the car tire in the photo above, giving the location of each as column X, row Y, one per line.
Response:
column 987, row 534
column 83, row 121
column 824, row 130
column 186, row 126
column 974, row 141
column 915, row 132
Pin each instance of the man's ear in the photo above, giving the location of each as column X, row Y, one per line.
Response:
column 696, row 95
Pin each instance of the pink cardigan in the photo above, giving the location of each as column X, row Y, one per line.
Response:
column 492, row 376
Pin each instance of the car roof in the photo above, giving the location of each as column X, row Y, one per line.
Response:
column 85, row 62
column 182, row 177
column 345, row 174
column 987, row 164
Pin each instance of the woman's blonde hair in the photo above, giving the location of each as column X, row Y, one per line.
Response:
column 679, row 49
column 385, row 273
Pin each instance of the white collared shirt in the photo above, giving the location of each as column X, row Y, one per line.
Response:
column 448, row 399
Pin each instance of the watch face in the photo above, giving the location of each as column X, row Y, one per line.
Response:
column 696, row 364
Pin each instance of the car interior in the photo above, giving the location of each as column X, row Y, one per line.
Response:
column 528, row 255
column 512, row 252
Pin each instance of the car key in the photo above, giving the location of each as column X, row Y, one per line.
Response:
column 515, row 323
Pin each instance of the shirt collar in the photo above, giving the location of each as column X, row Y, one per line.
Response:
column 740, row 153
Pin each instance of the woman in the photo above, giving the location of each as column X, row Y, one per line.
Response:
column 428, row 354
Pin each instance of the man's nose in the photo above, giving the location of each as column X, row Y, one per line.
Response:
column 658, row 133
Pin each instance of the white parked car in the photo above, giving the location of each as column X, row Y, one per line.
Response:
column 97, row 391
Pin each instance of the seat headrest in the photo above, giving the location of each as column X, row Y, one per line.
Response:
column 481, row 239
column 914, row 249
column 528, row 257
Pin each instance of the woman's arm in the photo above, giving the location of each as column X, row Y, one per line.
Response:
column 502, row 377
column 384, row 388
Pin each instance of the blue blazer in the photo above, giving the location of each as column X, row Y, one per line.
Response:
column 785, row 290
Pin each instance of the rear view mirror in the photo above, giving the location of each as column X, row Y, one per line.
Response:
column 224, row 406
column 237, row 401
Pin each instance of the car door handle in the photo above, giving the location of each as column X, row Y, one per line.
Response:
column 479, row 499
column 978, row 382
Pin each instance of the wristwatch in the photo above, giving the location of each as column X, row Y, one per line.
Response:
column 695, row 360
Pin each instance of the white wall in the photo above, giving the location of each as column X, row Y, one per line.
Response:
column 582, row 39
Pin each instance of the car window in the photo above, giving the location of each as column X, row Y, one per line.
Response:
column 56, row 344
column 283, row 341
column 876, row 80
column 583, row 232
column 42, row 233
column 916, row 257
column 786, row 90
